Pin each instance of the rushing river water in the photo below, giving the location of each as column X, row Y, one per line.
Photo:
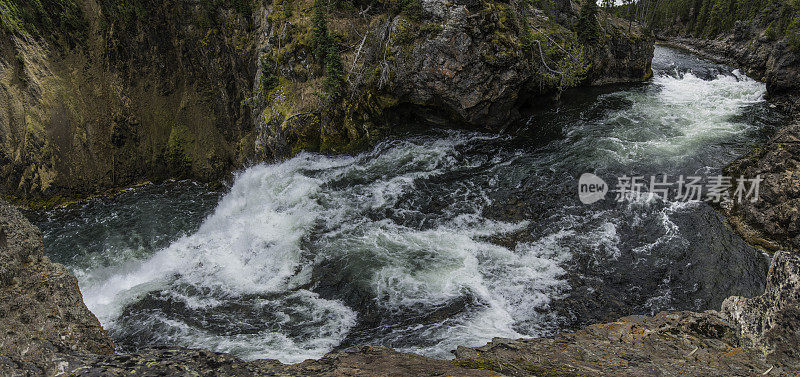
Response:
column 434, row 239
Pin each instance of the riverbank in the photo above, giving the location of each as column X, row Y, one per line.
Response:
column 735, row 341
column 681, row 343
column 771, row 223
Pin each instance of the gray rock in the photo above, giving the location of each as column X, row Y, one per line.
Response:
column 668, row 344
column 357, row 362
column 771, row 322
column 44, row 325
column 772, row 222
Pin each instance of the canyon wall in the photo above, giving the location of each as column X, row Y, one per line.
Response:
column 761, row 37
column 100, row 94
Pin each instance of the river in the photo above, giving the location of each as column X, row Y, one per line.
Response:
column 436, row 238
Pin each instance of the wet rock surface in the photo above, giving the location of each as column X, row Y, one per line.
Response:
column 184, row 89
column 44, row 325
column 482, row 77
column 772, row 222
column 361, row 361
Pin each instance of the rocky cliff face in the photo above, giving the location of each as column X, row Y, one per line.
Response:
column 102, row 94
column 768, row 323
column 773, row 222
column 105, row 94
column 457, row 64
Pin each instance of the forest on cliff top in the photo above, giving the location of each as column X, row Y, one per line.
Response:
column 778, row 19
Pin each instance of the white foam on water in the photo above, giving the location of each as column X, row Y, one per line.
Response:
column 322, row 324
column 515, row 287
column 683, row 115
column 253, row 244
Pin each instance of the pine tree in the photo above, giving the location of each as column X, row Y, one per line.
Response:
column 702, row 18
column 629, row 5
column 319, row 28
column 588, row 27
column 334, row 72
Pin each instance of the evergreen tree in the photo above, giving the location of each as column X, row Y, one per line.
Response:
column 719, row 20
column 588, row 27
column 629, row 5
column 702, row 18
column 334, row 72
column 319, row 28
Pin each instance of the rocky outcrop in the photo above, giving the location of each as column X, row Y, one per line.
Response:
column 631, row 60
column 44, row 326
column 770, row 322
column 102, row 94
column 462, row 64
column 97, row 94
column 772, row 222
column 355, row 362
column 669, row 344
